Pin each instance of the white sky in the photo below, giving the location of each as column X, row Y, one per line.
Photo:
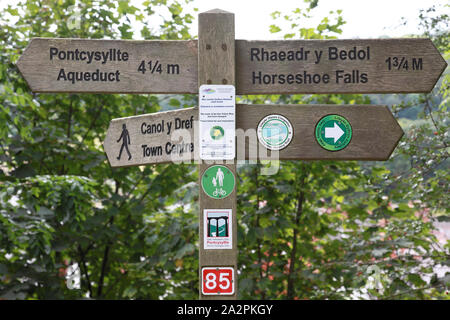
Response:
column 365, row 18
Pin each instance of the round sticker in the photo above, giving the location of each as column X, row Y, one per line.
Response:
column 275, row 132
column 333, row 132
column 218, row 182
column 216, row 132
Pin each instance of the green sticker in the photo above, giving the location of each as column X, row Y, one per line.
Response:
column 218, row 182
column 333, row 132
column 216, row 132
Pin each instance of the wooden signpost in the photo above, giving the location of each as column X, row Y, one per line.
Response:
column 289, row 66
column 172, row 136
column 110, row 66
column 216, row 66
column 281, row 132
column 338, row 66
column 153, row 138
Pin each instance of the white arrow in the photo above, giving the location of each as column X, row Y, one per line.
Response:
column 335, row 132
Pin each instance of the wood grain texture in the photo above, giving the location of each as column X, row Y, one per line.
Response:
column 216, row 65
column 41, row 67
column 374, row 65
column 375, row 131
column 41, row 73
column 375, row 134
column 162, row 142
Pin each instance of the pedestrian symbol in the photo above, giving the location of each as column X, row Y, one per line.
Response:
column 218, row 182
column 125, row 137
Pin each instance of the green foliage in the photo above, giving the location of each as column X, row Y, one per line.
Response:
column 61, row 202
column 296, row 21
column 315, row 230
column 340, row 230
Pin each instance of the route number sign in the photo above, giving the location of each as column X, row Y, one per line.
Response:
column 217, row 281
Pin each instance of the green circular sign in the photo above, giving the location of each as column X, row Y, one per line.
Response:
column 333, row 132
column 216, row 132
column 218, row 182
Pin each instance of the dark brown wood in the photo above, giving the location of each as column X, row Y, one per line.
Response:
column 375, row 131
column 173, row 67
column 416, row 65
column 375, row 134
column 216, row 65
column 160, row 137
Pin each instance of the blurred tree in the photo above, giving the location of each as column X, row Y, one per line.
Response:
column 341, row 230
column 61, row 203
column 314, row 230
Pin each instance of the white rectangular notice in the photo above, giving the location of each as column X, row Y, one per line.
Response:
column 217, row 121
column 218, row 229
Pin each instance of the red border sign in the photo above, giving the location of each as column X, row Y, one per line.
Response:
column 217, row 281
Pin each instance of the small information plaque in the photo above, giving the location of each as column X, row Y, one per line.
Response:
column 217, row 121
column 218, row 228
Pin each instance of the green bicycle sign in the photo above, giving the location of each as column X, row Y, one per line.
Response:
column 218, row 182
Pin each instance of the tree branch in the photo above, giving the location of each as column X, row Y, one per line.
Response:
column 430, row 112
column 293, row 257
column 68, row 133
column 96, row 116
column 84, row 268
column 258, row 240
column 103, row 272
column 107, row 248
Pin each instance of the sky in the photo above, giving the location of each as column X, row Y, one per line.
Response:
column 365, row 18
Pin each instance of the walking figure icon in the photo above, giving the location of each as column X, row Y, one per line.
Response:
column 125, row 137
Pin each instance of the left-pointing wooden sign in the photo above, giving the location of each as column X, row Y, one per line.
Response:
column 110, row 66
column 152, row 138
column 299, row 132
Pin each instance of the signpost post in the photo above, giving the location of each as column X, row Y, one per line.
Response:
column 217, row 67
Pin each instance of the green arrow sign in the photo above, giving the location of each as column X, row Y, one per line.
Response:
column 333, row 132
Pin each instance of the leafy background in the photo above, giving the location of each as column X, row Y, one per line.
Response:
column 315, row 230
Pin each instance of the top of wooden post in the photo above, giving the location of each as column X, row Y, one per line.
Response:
column 216, row 48
column 220, row 11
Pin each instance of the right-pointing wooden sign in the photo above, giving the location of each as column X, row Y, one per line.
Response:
column 316, row 132
column 284, row 132
column 337, row 66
